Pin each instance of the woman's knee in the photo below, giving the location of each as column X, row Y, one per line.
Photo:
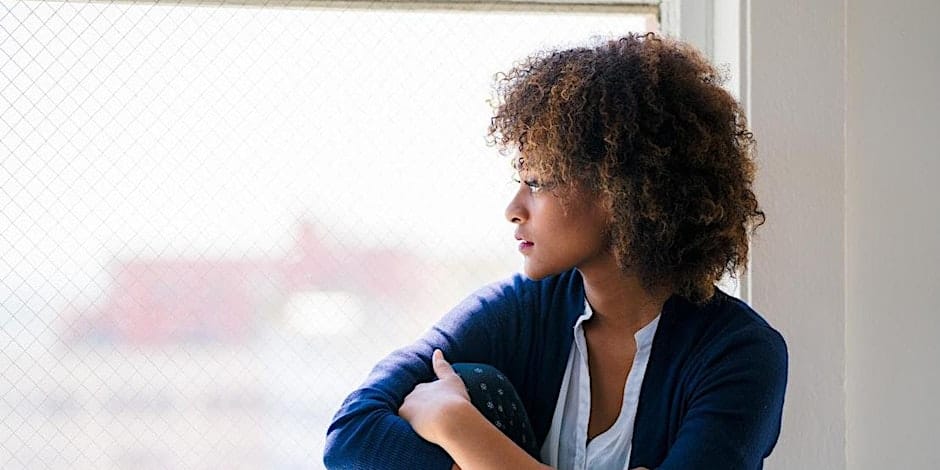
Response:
column 493, row 394
column 474, row 374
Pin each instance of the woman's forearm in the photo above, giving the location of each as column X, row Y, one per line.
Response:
column 476, row 444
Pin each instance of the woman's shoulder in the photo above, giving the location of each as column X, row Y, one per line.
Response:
column 723, row 325
column 738, row 314
column 722, row 312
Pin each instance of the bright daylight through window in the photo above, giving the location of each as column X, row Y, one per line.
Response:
column 217, row 218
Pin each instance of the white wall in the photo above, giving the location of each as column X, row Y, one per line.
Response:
column 845, row 103
column 797, row 103
column 893, row 228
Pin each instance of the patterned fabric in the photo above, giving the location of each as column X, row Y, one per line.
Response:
column 493, row 394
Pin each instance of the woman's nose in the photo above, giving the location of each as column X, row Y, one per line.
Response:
column 516, row 212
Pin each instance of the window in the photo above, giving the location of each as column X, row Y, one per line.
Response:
column 217, row 218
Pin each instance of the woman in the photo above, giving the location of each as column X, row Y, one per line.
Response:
column 614, row 350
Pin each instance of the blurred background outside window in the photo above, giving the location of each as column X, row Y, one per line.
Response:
column 216, row 219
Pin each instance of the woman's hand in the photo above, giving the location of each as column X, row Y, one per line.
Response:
column 429, row 407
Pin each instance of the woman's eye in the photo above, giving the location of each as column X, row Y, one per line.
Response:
column 533, row 185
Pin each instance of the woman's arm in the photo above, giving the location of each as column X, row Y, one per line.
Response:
column 475, row 443
column 367, row 431
column 442, row 413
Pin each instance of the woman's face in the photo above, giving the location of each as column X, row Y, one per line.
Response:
column 554, row 237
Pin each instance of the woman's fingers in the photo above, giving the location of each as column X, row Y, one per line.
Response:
column 441, row 367
column 430, row 405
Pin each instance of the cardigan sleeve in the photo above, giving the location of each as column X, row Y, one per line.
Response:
column 735, row 405
column 367, row 433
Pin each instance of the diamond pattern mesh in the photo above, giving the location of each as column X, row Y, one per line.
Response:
column 216, row 218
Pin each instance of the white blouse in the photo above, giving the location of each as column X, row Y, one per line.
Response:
column 566, row 447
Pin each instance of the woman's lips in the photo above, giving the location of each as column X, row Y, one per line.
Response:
column 523, row 243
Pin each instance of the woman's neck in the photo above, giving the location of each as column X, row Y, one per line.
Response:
column 620, row 302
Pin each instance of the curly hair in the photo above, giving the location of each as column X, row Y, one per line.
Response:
column 644, row 124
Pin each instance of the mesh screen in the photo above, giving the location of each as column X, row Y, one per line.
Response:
column 216, row 218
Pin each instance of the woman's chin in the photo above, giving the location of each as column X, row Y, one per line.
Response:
column 538, row 273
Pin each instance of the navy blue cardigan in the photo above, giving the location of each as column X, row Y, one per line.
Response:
column 712, row 396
